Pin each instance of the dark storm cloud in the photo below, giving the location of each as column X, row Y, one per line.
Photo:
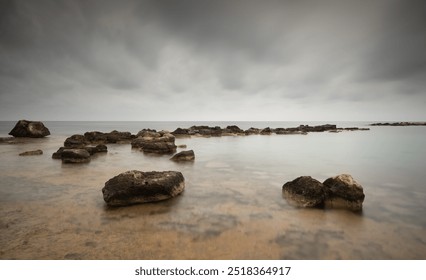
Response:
column 204, row 59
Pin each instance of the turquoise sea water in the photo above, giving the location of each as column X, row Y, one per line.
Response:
column 232, row 207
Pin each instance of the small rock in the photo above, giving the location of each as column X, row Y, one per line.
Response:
column 139, row 187
column 32, row 153
column 184, row 156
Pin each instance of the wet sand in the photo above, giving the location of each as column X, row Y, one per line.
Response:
column 232, row 208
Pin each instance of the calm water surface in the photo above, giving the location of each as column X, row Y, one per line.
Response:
column 232, row 207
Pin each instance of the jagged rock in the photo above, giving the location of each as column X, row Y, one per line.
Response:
column 148, row 133
column 32, row 153
column 252, row 131
column 305, row 191
column 184, row 156
column 32, row 129
column 266, row 131
column 75, row 156
column 181, row 132
column 344, row 192
column 139, row 187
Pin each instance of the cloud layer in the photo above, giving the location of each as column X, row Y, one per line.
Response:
column 213, row 60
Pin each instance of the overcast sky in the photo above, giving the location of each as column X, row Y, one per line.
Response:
column 213, row 60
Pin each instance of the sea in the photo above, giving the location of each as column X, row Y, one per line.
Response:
column 232, row 206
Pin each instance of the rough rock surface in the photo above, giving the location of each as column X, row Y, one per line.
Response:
column 184, row 156
column 33, row 129
column 75, row 156
column 164, row 144
column 304, row 191
column 344, row 192
column 32, row 153
column 135, row 186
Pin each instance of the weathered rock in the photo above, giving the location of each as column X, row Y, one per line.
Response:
column 304, row 191
column 318, row 128
column 119, row 137
column 344, row 192
column 139, row 187
column 76, row 141
column 58, row 153
column 148, row 133
column 399, row 124
column 252, row 131
column 184, row 156
column 266, row 131
column 75, row 156
column 165, row 144
column 95, row 137
column 97, row 149
column 32, row 153
column 33, row 129
column 232, row 130
column 181, row 132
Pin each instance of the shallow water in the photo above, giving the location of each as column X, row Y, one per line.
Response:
column 232, row 207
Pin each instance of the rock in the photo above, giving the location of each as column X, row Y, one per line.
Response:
column 318, row 128
column 184, row 156
column 344, row 192
column 32, row 153
column 97, row 149
column 24, row 128
column 58, row 153
column 399, row 124
column 252, row 131
column 183, row 146
column 75, row 156
column 266, row 131
column 119, row 137
column 95, row 137
column 76, row 141
column 181, row 132
column 139, row 187
column 305, row 191
column 165, row 144
column 7, row 140
column 148, row 133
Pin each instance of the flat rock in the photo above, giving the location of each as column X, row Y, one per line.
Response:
column 32, row 129
column 135, row 186
column 32, row 153
column 304, row 191
column 184, row 156
column 344, row 192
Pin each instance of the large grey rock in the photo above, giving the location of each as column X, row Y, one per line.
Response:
column 304, row 191
column 184, row 156
column 135, row 186
column 33, row 129
column 344, row 192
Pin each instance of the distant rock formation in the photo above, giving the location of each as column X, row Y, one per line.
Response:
column 184, row 156
column 341, row 191
column 32, row 129
column 135, row 186
column 399, row 124
column 32, row 153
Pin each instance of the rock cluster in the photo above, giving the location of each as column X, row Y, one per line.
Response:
column 399, row 124
column 135, row 186
column 78, row 149
column 161, row 142
column 32, row 129
column 234, row 130
column 341, row 191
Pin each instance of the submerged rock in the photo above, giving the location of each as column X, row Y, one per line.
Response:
column 184, row 156
column 135, row 186
column 32, row 153
column 344, row 192
column 304, row 191
column 32, row 129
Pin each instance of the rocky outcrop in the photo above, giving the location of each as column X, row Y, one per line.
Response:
column 318, row 128
column 184, row 156
column 76, row 141
column 266, row 131
column 252, row 131
column 32, row 153
column 90, row 149
column 341, row 191
column 32, row 129
column 135, row 186
column 399, row 124
column 344, row 192
column 163, row 144
column 113, row 137
column 305, row 191
column 75, row 156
